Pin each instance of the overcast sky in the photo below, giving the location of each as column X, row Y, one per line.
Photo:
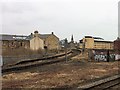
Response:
column 63, row 17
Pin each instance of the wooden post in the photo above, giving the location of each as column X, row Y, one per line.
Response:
column 66, row 44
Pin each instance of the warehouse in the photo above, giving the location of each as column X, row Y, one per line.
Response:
column 89, row 42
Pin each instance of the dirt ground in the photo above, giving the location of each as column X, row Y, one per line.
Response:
column 59, row 75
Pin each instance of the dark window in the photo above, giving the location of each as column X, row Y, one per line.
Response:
column 21, row 43
column 12, row 43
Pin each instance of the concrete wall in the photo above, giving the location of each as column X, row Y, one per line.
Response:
column 36, row 43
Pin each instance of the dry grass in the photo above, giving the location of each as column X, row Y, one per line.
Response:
column 20, row 52
column 59, row 75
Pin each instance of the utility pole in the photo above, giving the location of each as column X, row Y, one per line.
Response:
column 66, row 44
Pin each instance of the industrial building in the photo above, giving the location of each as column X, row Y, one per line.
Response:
column 89, row 42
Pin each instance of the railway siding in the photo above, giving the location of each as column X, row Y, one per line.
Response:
column 100, row 82
column 37, row 62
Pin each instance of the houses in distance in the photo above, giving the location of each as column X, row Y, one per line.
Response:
column 34, row 41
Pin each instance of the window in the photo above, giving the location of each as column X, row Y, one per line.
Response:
column 12, row 43
column 21, row 44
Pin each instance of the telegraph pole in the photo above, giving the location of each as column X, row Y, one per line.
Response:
column 66, row 44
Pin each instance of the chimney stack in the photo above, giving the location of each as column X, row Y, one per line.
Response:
column 52, row 33
column 35, row 33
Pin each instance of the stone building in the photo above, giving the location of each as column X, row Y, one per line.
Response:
column 13, row 41
column 89, row 42
column 34, row 41
column 51, row 41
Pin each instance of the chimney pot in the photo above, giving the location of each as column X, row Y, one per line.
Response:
column 35, row 31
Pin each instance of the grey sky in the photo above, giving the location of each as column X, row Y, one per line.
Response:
column 63, row 17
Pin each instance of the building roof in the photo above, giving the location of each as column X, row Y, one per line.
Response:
column 94, row 37
column 98, row 38
column 23, row 37
column 12, row 37
column 43, row 36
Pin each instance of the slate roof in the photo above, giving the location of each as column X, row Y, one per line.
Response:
column 21, row 37
column 43, row 36
column 12, row 37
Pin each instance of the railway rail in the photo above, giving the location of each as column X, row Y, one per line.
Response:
column 104, row 84
column 39, row 62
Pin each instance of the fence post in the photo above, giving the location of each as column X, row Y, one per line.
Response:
column 108, row 56
column 66, row 44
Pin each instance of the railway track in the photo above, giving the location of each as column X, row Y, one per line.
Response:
column 39, row 62
column 104, row 84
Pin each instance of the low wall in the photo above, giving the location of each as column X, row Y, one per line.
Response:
column 117, row 57
column 101, row 55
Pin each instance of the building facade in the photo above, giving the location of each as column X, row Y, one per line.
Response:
column 13, row 41
column 89, row 42
column 51, row 41
column 34, row 41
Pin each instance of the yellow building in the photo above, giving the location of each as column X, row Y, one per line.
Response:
column 50, row 41
column 89, row 42
column 39, row 41
column 36, row 43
